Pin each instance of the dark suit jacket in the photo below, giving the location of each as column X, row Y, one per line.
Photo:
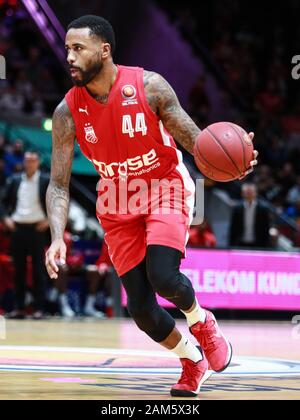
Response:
column 9, row 201
column 261, row 226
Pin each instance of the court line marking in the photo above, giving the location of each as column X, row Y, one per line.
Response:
column 127, row 352
column 92, row 350
column 137, row 370
column 131, row 371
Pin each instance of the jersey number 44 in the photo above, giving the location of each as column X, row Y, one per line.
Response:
column 130, row 127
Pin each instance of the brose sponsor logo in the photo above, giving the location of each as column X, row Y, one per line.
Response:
column 123, row 168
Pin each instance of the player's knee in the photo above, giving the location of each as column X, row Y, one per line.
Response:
column 173, row 286
column 164, row 282
column 151, row 319
column 142, row 315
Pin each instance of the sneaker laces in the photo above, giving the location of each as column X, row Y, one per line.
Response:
column 208, row 342
column 208, row 339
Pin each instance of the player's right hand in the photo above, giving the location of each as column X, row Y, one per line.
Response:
column 55, row 256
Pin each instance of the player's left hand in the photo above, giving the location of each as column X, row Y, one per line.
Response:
column 253, row 162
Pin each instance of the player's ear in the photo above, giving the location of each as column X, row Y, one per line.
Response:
column 106, row 50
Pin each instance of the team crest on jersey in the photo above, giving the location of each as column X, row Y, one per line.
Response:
column 129, row 95
column 90, row 134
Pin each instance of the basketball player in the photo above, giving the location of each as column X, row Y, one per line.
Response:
column 125, row 119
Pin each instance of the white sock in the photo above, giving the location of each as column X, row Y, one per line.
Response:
column 185, row 349
column 63, row 299
column 53, row 294
column 90, row 302
column 109, row 301
column 196, row 315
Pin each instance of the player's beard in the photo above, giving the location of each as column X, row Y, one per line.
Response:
column 88, row 75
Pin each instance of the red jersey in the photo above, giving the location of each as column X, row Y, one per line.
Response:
column 123, row 138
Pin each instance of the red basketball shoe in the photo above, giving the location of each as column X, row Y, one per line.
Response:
column 192, row 377
column 215, row 346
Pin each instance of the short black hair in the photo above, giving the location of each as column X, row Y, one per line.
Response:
column 98, row 26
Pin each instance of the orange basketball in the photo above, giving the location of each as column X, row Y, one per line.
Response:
column 223, row 152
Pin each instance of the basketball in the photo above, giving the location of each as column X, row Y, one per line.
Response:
column 223, row 152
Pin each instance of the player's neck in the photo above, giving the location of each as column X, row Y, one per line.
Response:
column 101, row 85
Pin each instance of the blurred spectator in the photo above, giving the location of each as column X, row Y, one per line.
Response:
column 199, row 102
column 24, row 215
column 250, row 222
column 32, row 85
column 276, row 152
column 286, row 177
column 294, row 212
column 294, row 193
column 270, row 101
column 5, row 265
column 2, row 176
column 11, row 101
column 100, row 273
column 23, row 85
column 264, row 180
column 202, row 236
column 45, row 84
column 97, row 275
column 291, row 122
column 14, row 157
column 256, row 90
column 34, row 64
column 294, row 158
column 2, row 146
column 35, row 105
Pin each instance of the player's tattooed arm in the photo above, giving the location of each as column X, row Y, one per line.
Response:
column 63, row 136
column 164, row 102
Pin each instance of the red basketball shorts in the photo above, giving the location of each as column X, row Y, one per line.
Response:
column 166, row 222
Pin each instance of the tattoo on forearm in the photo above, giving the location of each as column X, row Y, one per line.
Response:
column 57, row 207
column 164, row 102
column 61, row 165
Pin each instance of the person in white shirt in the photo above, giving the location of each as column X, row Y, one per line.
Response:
column 24, row 214
column 250, row 221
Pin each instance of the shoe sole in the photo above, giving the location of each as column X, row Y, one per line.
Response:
column 185, row 393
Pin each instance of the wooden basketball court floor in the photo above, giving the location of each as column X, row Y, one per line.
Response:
column 113, row 360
